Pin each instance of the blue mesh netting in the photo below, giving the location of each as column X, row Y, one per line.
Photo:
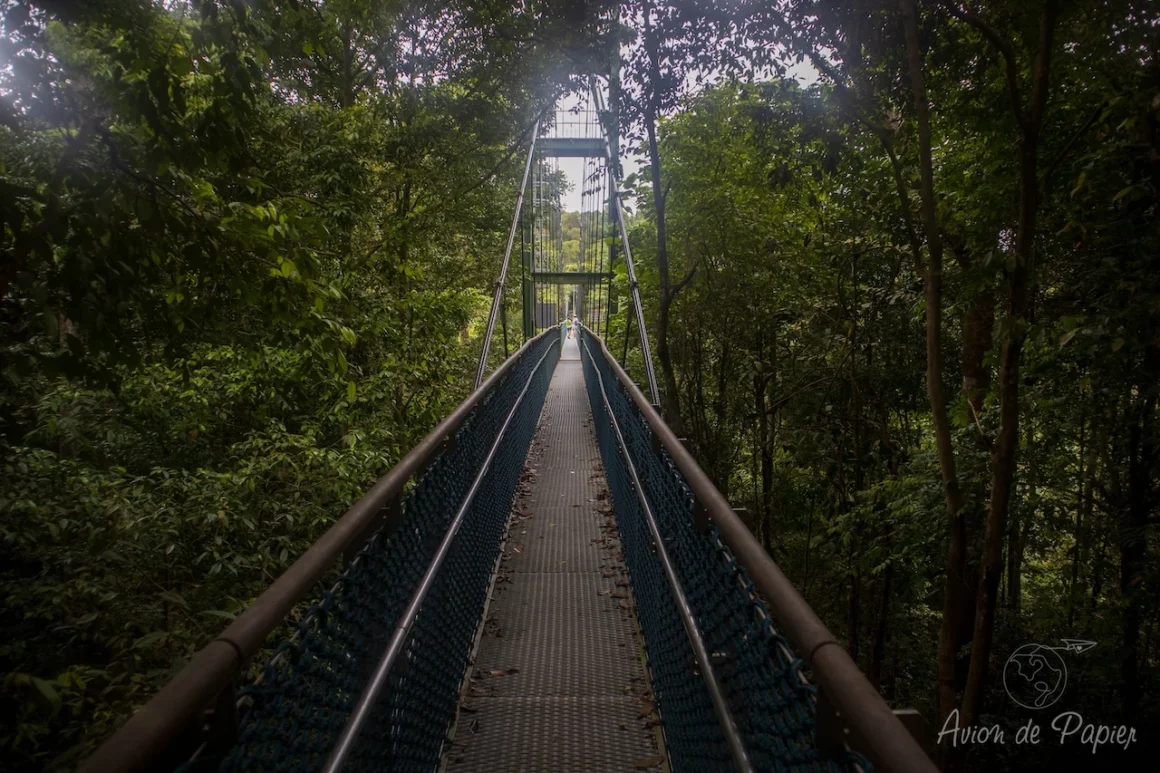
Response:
column 771, row 701
column 299, row 705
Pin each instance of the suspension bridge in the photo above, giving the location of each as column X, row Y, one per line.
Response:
column 547, row 582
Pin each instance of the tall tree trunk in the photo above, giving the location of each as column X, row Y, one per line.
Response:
column 882, row 625
column 854, row 612
column 1003, row 456
column 346, row 99
column 1018, row 524
column 956, row 590
column 1133, row 527
column 1083, row 507
column 762, row 448
column 978, row 327
column 768, row 423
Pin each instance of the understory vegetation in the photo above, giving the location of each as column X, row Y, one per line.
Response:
column 906, row 314
column 907, row 317
column 245, row 251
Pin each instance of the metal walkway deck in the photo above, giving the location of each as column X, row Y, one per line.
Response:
column 558, row 682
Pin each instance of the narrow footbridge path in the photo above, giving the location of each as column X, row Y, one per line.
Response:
column 547, row 582
column 559, row 681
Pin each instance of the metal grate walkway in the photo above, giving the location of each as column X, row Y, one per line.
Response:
column 558, row 682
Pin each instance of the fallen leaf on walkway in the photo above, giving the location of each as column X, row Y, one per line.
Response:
column 648, row 762
column 625, row 604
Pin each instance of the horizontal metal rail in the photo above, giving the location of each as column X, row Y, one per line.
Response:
column 370, row 694
column 874, row 730
column 570, row 277
column 700, row 651
column 179, row 706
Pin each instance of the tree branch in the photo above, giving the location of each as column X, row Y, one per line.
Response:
column 1067, row 146
column 684, row 281
column 1010, row 66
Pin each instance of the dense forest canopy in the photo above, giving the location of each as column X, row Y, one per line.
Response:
column 906, row 315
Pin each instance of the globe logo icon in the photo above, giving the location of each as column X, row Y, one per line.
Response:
column 1035, row 676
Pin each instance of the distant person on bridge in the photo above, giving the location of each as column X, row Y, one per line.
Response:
column 575, row 326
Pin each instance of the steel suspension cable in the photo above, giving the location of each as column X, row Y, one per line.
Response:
column 538, row 254
column 609, row 170
column 602, row 246
column 633, row 285
column 507, row 254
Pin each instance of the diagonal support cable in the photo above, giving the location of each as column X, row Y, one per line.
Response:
column 507, row 254
column 633, row 285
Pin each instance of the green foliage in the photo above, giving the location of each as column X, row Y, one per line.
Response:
column 799, row 343
column 246, row 249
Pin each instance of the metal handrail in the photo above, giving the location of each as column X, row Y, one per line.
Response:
column 700, row 651
column 874, row 730
column 178, row 707
column 370, row 694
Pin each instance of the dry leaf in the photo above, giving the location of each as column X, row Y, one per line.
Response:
column 648, row 762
